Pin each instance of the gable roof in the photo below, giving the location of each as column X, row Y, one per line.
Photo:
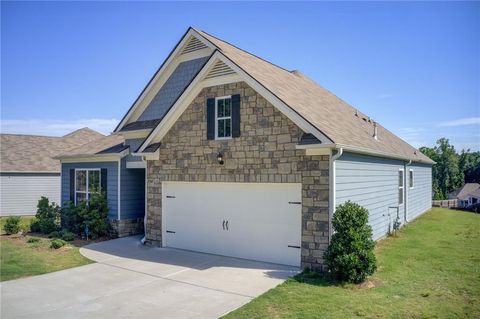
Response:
column 339, row 121
column 465, row 191
column 316, row 110
column 32, row 153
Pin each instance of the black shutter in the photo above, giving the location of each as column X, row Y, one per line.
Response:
column 72, row 185
column 236, row 115
column 210, row 119
column 103, row 181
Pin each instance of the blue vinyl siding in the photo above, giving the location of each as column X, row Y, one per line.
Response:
column 132, row 192
column 172, row 88
column 112, row 182
column 420, row 196
column 371, row 182
column 134, row 144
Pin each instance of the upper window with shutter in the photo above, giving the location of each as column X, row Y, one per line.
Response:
column 223, row 117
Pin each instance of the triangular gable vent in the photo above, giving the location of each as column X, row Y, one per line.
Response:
column 193, row 45
column 219, row 69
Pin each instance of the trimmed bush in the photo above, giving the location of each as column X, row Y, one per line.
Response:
column 55, row 234
column 92, row 214
column 47, row 218
column 68, row 236
column 57, row 243
column 32, row 240
column 12, row 225
column 350, row 255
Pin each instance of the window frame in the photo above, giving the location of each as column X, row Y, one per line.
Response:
column 86, row 192
column 411, row 179
column 223, row 118
column 401, row 187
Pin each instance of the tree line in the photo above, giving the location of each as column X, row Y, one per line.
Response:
column 452, row 170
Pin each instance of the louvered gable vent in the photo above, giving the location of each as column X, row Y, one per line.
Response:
column 219, row 69
column 193, row 44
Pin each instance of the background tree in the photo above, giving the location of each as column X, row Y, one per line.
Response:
column 470, row 166
column 446, row 172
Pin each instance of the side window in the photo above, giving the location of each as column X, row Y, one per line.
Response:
column 411, row 179
column 400, row 186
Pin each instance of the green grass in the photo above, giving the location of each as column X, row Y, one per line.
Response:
column 430, row 269
column 22, row 256
column 24, row 223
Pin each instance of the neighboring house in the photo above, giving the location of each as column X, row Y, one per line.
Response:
column 247, row 159
column 466, row 195
column 28, row 170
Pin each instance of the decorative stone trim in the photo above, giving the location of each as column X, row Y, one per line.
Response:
column 264, row 153
column 126, row 227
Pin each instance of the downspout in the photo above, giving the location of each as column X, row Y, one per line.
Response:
column 407, row 191
column 144, row 239
column 332, row 205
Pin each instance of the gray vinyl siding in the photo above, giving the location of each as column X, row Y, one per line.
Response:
column 371, row 182
column 20, row 192
column 132, row 192
column 420, row 196
column 112, row 183
column 172, row 88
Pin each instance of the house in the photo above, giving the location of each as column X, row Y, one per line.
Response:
column 466, row 195
column 247, row 159
column 29, row 171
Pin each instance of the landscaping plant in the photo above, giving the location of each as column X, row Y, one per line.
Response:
column 92, row 214
column 350, row 256
column 12, row 225
column 47, row 218
column 57, row 243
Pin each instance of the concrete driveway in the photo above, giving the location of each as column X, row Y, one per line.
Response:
column 131, row 280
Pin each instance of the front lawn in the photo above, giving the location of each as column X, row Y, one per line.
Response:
column 431, row 269
column 19, row 258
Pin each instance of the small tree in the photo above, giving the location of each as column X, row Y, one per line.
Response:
column 350, row 254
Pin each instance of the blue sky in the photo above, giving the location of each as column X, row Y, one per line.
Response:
column 412, row 66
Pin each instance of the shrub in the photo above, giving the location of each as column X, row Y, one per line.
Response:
column 92, row 213
column 55, row 234
column 350, row 256
column 12, row 225
column 57, row 243
column 47, row 218
column 32, row 240
column 68, row 236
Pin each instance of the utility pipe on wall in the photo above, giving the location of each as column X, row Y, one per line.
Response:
column 332, row 204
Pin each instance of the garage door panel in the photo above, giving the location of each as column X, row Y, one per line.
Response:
column 261, row 222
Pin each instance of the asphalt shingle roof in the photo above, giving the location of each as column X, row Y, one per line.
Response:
column 30, row 153
column 339, row 121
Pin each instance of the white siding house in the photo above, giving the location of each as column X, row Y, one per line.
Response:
column 28, row 170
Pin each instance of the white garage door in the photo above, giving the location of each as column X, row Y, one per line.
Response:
column 246, row 220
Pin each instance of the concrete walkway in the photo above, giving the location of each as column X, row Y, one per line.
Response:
column 130, row 280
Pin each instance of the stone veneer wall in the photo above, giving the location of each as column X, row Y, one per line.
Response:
column 126, row 227
column 265, row 152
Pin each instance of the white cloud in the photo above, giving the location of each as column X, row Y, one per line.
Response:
column 56, row 127
column 462, row 122
column 413, row 136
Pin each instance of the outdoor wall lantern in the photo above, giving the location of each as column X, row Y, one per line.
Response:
column 220, row 158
